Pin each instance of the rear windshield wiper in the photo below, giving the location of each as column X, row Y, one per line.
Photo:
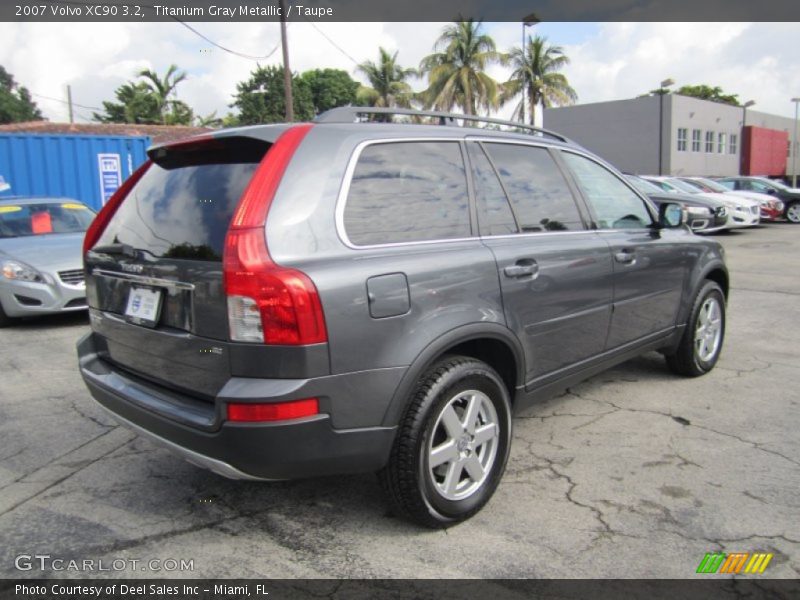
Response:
column 121, row 249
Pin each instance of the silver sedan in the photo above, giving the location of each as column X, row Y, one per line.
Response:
column 41, row 268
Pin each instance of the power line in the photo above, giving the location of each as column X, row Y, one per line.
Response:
column 189, row 27
column 63, row 101
column 221, row 47
column 334, row 44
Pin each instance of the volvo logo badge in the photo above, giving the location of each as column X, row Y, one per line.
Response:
column 129, row 268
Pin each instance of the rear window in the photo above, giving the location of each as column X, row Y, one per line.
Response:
column 182, row 206
column 17, row 220
column 408, row 192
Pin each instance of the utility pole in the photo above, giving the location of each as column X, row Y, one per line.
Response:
column 287, row 73
column 69, row 103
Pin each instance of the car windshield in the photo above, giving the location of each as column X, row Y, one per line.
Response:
column 682, row 186
column 643, row 185
column 774, row 183
column 713, row 185
column 44, row 218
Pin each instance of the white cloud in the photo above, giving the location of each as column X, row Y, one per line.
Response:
column 619, row 60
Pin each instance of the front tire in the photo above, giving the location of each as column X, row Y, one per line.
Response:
column 701, row 344
column 452, row 445
column 792, row 213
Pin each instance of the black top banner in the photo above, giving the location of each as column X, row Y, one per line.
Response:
column 399, row 10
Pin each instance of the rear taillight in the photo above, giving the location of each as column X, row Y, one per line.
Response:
column 266, row 302
column 104, row 216
column 275, row 411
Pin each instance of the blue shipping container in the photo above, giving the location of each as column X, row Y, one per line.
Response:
column 85, row 167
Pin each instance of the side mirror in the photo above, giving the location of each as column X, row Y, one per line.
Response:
column 671, row 215
column 771, row 191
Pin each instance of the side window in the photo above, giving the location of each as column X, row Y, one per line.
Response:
column 408, row 192
column 541, row 199
column 728, row 184
column 615, row 204
column 494, row 213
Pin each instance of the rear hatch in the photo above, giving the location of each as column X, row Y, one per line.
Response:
column 155, row 279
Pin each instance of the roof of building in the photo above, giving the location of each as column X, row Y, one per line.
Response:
column 159, row 134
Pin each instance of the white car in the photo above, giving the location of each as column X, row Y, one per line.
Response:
column 771, row 207
column 742, row 212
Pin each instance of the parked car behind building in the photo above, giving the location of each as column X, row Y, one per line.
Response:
column 743, row 212
column 771, row 207
column 704, row 215
column 788, row 195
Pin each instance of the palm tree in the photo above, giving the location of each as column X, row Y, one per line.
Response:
column 457, row 70
column 387, row 80
column 162, row 88
column 536, row 70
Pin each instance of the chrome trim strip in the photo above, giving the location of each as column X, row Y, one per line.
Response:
column 199, row 460
column 157, row 281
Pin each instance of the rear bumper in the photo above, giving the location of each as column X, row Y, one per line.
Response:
column 196, row 431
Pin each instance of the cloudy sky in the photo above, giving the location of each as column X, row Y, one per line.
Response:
column 610, row 61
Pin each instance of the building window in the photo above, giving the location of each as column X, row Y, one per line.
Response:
column 734, row 144
column 709, row 141
column 696, row 134
column 682, row 131
column 721, row 139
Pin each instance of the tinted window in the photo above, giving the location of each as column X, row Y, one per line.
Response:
column 615, row 205
column 183, row 204
column 408, row 192
column 537, row 190
column 42, row 219
column 494, row 213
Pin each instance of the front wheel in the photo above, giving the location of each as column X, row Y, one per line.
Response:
column 452, row 445
column 701, row 344
column 793, row 212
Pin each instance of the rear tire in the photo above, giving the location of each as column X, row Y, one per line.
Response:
column 452, row 444
column 701, row 344
column 792, row 212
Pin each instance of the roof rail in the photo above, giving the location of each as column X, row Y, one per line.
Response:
column 350, row 114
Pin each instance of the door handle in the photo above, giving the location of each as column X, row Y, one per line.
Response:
column 525, row 267
column 625, row 256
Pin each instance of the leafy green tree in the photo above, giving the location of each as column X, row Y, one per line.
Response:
column 135, row 104
column 16, row 104
column 210, row 120
column 149, row 101
column 457, row 70
column 172, row 112
column 260, row 99
column 706, row 92
column 388, row 85
column 536, row 70
column 330, row 88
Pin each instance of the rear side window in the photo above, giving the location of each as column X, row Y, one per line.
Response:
column 615, row 205
column 494, row 212
column 182, row 206
column 538, row 192
column 408, row 192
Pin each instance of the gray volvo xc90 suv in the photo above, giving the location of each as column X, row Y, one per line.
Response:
column 297, row 300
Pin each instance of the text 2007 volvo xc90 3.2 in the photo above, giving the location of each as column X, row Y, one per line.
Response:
column 342, row 296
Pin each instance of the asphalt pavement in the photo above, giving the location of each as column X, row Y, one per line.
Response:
column 633, row 473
